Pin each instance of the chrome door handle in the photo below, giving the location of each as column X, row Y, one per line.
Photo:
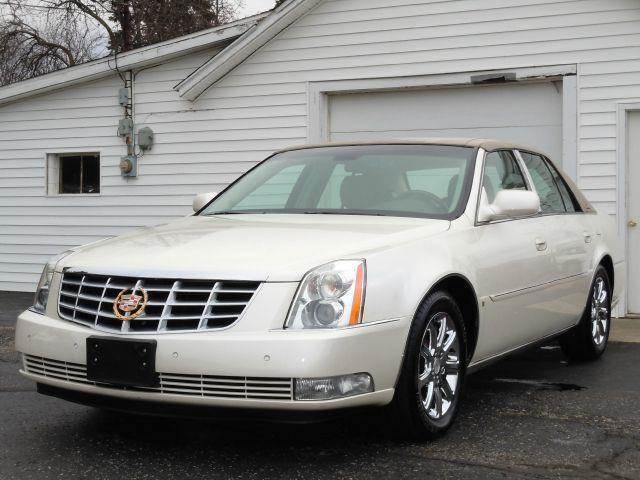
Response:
column 541, row 245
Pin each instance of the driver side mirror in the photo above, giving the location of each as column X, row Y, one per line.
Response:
column 509, row 204
column 202, row 199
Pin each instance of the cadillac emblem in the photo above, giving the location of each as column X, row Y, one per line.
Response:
column 130, row 303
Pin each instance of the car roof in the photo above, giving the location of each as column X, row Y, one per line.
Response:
column 485, row 143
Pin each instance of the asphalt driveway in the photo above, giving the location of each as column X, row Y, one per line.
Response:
column 532, row 416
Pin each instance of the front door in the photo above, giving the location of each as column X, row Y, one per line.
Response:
column 633, row 212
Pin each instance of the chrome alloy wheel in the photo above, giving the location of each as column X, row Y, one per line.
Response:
column 439, row 365
column 599, row 311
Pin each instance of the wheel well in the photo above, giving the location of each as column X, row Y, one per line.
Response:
column 465, row 296
column 607, row 263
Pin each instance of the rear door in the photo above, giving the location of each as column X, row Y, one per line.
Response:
column 569, row 240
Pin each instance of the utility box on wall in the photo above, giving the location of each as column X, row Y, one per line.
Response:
column 145, row 138
column 125, row 127
column 129, row 166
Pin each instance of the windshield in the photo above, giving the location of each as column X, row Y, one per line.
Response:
column 396, row 180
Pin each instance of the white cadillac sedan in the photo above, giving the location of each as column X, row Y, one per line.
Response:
column 330, row 277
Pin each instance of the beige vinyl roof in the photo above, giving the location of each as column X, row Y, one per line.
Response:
column 485, row 143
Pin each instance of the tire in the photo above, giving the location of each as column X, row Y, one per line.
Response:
column 431, row 379
column 588, row 340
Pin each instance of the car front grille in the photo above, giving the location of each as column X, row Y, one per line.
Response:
column 172, row 305
column 208, row 386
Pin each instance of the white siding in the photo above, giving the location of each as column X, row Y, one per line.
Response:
column 262, row 105
column 84, row 118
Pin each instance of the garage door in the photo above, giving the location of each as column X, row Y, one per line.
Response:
column 529, row 113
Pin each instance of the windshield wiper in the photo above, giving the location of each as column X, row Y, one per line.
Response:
column 339, row 212
column 231, row 212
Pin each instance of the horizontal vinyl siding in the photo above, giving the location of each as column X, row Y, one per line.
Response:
column 84, row 118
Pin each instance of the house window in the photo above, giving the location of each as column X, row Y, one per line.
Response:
column 74, row 173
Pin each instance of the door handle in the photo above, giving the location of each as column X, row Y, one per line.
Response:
column 632, row 224
column 541, row 245
column 587, row 237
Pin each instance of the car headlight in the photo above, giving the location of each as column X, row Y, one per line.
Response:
column 330, row 296
column 42, row 291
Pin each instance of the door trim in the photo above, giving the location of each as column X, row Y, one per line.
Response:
column 622, row 169
column 534, row 288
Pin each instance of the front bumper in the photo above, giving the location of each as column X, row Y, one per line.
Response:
column 283, row 354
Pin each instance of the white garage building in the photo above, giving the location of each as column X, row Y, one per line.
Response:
column 561, row 75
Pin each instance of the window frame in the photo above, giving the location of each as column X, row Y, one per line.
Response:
column 53, row 174
column 548, row 162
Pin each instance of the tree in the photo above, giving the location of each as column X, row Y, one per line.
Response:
column 155, row 21
column 135, row 23
column 30, row 47
column 45, row 35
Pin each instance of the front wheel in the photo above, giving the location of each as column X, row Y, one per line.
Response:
column 588, row 340
column 430, row 383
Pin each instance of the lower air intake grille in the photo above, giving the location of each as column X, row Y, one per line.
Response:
column 171, row 306
column 209, row 386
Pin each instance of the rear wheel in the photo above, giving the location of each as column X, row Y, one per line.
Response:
column 588, row 340
column 430, row 383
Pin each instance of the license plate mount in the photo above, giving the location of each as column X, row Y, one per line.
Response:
column 122, row 362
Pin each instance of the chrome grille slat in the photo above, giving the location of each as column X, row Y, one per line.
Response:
column 174, row 305
column 208, row 386
column 104, row 292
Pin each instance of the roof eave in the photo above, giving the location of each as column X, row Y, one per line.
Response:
column 216, row 68
column 139, row 58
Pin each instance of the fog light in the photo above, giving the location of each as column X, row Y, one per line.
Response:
column 333, row 387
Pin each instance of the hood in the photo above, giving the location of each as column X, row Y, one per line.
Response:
column 247, row 247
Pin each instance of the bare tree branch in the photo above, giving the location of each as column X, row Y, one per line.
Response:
column 40, row 36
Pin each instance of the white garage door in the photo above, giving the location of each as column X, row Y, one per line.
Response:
column 529, row 113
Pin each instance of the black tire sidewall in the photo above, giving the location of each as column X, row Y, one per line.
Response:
column 597, row 349
column 409, row 395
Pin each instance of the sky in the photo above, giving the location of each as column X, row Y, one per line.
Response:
column 252, row 7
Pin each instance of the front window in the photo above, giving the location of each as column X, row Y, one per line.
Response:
column 501, row 172
column 395, row 180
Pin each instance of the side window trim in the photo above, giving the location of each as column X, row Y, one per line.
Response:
column 527, row 174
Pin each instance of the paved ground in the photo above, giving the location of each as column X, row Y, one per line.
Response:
column 533, row 416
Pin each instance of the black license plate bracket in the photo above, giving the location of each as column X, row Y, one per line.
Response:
column 124, row 362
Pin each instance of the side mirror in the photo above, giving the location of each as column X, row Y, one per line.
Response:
column 509, row 204
column 202, row 199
